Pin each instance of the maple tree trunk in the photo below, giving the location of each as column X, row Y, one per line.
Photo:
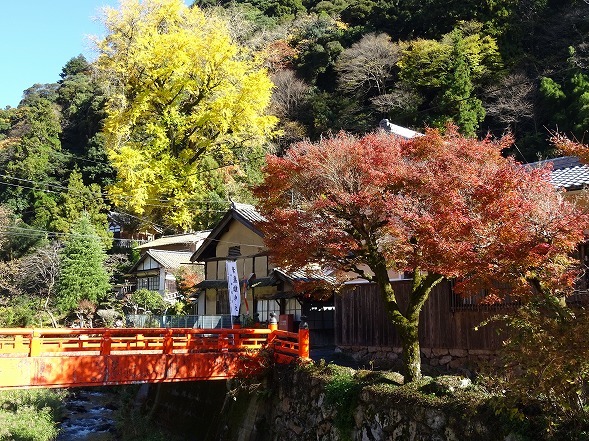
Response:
column 411, row 350
column 407, row 324
column 408, row 333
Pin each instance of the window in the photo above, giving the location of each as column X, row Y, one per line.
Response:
column 476, row 301
column 264, row 307
column 222, row 306
column 234, row 251
column 151, row 283
column 171, row 286
column 293, row 307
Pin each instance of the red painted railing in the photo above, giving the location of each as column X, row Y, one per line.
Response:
column 107, row 356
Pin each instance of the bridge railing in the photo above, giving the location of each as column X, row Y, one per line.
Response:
column 48, row 342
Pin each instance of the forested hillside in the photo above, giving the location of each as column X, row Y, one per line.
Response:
column 177, row 112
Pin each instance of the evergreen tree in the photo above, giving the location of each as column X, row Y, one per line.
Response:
column 458, row 100
column 32, row 153
column 446, row 73
column 565, row 106
column 83, row 275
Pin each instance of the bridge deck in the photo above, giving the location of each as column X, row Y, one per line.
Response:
column 110, row 356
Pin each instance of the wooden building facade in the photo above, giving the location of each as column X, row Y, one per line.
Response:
column 449, row 328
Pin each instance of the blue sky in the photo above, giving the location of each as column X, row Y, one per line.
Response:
column 37, row 38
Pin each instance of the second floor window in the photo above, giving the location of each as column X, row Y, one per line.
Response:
column 151, row 283
column 222, row 306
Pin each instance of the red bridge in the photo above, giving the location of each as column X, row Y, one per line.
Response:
column 111, row 356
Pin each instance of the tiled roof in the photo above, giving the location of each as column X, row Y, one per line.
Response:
column 403, row 132
column 243, row 213
column 567, row 172
column 248, row 212
column 256, row 283
column 170, row 259
column 196, row 238
column 306, row 275
column 275, row 276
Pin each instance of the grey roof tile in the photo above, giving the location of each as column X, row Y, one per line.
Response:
column 306, row 275
column 567, row 172
column 248, row 212
column 170, row 259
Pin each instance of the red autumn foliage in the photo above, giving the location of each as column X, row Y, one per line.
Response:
column 186, row 280
column 436, row 206
column 570, row 147
column 441, row 204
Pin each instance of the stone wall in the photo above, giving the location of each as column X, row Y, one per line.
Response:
column 461, row 360
column 302, row 411
column 296, row 403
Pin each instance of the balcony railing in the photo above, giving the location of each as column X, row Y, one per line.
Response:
column 128, row 243
column 178, row 321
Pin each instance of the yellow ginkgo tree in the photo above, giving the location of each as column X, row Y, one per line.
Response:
column 184, row 99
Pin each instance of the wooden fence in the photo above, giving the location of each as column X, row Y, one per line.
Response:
column 446, row 321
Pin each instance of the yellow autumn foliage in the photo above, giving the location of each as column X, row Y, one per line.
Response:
column 182, row 95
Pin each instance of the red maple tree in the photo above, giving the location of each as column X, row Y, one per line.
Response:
column 438, row 206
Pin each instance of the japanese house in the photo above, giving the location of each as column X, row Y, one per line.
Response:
column 265, row 289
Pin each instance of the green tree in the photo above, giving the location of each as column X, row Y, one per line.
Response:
column 58, row 214
column 82, row 272
column 82, row 103
column 181, row 94
column 16, row 237
column 32, row 157
column 565, row 103
column 317, row 41
column 458, row 100
column 445, row 73
column 147, row 301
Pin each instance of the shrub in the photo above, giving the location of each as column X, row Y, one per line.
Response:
column 545, row 363
column 149, row 301
column 30, row 415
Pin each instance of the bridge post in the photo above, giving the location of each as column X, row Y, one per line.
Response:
column 237, row 336
column 272, row 322
column 18, row 342
column 35, row 347
column 272, row 326
column 105, row 344
column 304, row 340
column 168, row 342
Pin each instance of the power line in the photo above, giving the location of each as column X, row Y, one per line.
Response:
column 122, row 211
column 33, row 232
column 32, row 188
column 109, row 163
column 104, row 194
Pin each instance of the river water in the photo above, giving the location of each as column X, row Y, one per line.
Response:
column 89, row 416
